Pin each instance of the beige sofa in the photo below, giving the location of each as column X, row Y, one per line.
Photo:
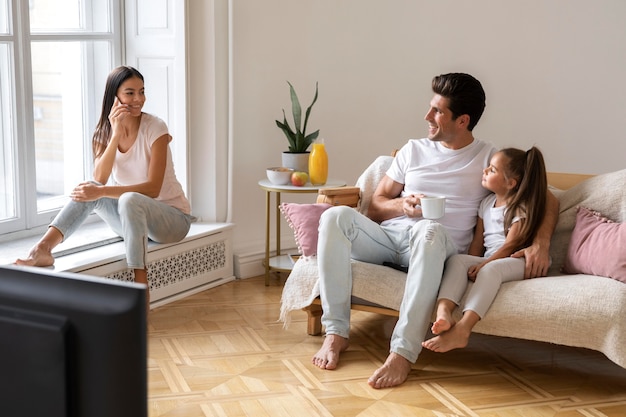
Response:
column 575, row 310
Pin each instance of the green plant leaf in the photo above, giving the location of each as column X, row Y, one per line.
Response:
column 286, row 123
column 291, row 136
column 308, row 111
column 310, row 138
column 295, row 108
column 298, row 140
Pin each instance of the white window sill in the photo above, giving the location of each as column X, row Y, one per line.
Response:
column 90, row 235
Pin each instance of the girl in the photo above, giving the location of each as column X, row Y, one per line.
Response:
column 134, row 190
column 507, row 221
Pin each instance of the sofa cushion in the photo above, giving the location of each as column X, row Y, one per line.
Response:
column 605, row 193
column 597, row 246
column 304, row 219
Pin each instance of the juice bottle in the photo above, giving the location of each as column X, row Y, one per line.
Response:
column 318, row 163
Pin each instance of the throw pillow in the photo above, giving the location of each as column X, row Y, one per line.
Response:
column 304, row 219
column 606, row 193
column 597, row 246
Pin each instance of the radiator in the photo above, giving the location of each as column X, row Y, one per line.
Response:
column 200, row 261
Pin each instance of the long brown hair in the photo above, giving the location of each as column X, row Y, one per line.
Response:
column 529, row 197
column 102, row 134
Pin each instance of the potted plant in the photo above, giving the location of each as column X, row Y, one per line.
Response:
column 299, row 141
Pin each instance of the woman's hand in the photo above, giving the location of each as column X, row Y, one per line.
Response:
column 87, row 191
column 118, row 113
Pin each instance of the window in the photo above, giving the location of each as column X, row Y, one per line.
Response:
column 54, row 59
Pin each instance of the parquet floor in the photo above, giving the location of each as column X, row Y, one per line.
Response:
column 222, row 353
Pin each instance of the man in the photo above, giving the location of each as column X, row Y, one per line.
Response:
column 449, row 162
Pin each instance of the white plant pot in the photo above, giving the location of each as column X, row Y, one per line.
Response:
column 296, row 160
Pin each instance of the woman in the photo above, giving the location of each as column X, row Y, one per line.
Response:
column 135, row 190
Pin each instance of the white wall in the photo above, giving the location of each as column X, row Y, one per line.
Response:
column 553, row 72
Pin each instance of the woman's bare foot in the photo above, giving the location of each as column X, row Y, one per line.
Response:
column 455, row 338
column 394, row 372
column 328, row 355
column 39, row 255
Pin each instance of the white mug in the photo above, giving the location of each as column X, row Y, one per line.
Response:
column 433, row 207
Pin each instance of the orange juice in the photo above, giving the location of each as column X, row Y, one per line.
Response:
column 318, row 164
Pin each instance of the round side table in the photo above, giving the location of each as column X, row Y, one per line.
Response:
column 279, row 262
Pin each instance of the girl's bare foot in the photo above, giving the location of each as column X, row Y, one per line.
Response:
column 444, row 321
column 442, row 324
column 328, row 355
column 39, row 255
column 455, row 338
column 394, row 372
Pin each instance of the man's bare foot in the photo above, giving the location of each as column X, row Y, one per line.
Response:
column 328, row 355
column 442, row 324
column 394, row 372
column 455, row 338
column 38, row 256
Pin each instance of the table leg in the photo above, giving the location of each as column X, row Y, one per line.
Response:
column 267, row 238
column 278, row 224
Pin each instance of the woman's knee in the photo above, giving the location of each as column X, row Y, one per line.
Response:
column 130, row 197
column 130, row 202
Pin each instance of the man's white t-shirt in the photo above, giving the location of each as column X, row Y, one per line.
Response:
column 131, row 167
column 427, row 167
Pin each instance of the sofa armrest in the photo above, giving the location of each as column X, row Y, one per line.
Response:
column 340, row 196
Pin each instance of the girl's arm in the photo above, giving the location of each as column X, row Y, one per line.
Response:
column 504, row 251
column 156, row 172
column 477, row 246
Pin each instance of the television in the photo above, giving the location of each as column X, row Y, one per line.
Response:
column 71, row 345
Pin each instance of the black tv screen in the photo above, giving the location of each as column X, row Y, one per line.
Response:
column 71, row 345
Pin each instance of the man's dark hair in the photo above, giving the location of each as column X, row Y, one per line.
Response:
column 465, row 95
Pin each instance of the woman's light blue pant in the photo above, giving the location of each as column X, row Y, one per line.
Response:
column 134, row 216
column 344, row 233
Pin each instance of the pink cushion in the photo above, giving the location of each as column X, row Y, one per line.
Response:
column 304, row 219
column 597, row 246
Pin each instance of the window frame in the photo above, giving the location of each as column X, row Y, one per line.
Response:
column 19, row 38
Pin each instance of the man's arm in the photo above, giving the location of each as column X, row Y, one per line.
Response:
column 386, row 202
column 477, row 245
column 538, row 254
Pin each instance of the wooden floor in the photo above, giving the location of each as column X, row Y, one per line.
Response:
column 222, row 353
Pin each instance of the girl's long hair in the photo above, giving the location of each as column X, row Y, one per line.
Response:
column 102, row 133
column 529, row 197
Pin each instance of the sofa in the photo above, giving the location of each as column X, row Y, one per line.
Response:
column 581, row 303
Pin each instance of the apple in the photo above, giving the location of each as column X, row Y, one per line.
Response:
column 299, row 178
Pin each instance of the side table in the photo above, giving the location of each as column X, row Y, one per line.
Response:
column 283, row 263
